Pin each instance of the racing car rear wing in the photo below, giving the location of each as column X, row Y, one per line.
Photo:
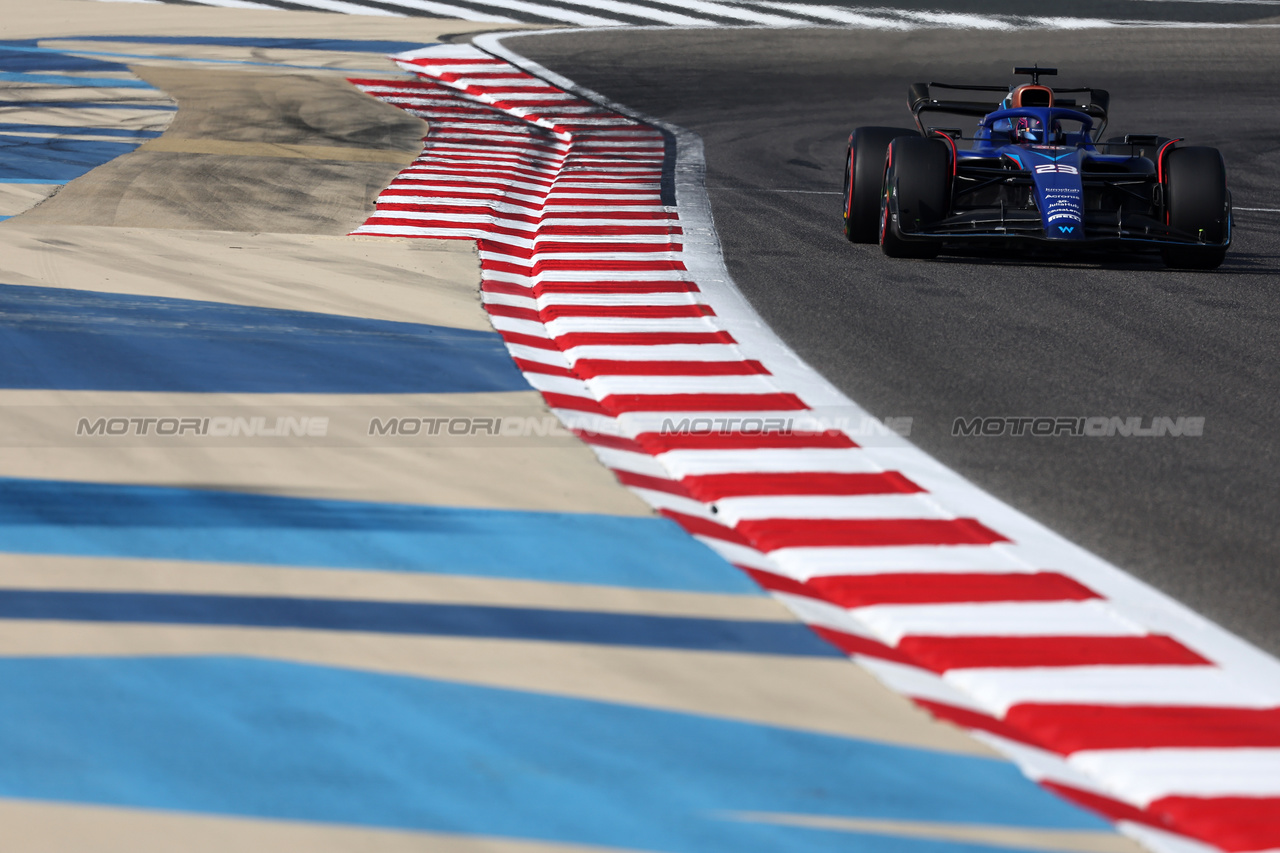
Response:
column 922, row 99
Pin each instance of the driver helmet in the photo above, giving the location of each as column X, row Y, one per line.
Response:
column 1030, row 130
column 1027, row 130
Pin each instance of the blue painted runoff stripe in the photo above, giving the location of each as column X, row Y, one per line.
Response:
column 69, row 80
column 82, row 130
column 210, row 61
column 53, row 338
column 270, row 739
column 53, row 160
column 89, row 105
column 421, row 619
column 26, row 55
column 151, row 522
column 347, row 45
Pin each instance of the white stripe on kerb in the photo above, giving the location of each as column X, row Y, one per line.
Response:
column 685, row 463
column 659, row 352
column 449, row 10
column 346, row 8
column 735, row 509
column 1039, row 764
column 806, row 563
column 747, row 384
column 552, row 12
column 918, row 683
column 1001, row 689
column 812, row 611
column 626, row 460
column 225, row 4
column 1143, row 775
column 841, row 16
column 553, row 384
column 999, row 619
column 653, row 13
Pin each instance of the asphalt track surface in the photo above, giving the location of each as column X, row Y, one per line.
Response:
column 965, row 337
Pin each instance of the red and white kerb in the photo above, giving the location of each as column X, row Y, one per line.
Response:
column 1096, row 686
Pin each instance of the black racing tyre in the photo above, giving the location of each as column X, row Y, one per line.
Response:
column 1198, row 203
column 863, row 171
column 915, row 195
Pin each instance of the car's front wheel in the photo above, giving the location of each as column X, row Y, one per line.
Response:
column 863, row 171
column 914, row 195
column 1198, row 205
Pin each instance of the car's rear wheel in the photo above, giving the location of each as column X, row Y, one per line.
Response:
column 1198, row 205
column 863, row 171
column 915, row 195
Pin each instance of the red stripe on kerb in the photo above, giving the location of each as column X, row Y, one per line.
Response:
column 529, row 341
column 605, row 192
column 517, row 312
column 472, row 210
column 702, row 402
column 772, row 534
column 968, row 719
column 442, row 225
column 478, row 197
column 711, row 487
column 644, row 481
column 609, row 230
column 485, row 75
column 380, row 83
column 1072, row 728
column 641, row 339
column 430, row 61
column 941, row 654
column 947, row 588
column 375, row 222
column 1114, row 810
column 577, row 265
column 777, row 583
column 702, row 527
column 545, row 248
column 662, row 442
column 573, row 403
column 852, row 644
column 439, row 182
column 587, row 368
column 617, row 442
column 620, row 215
column 541, row 367
column 549, row 287
column 1231, row 823
column 640, row 312
column 432, row 172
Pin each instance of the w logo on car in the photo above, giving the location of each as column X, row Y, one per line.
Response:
column 1066, row 229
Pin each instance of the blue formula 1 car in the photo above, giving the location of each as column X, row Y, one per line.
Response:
column 1033, row 178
